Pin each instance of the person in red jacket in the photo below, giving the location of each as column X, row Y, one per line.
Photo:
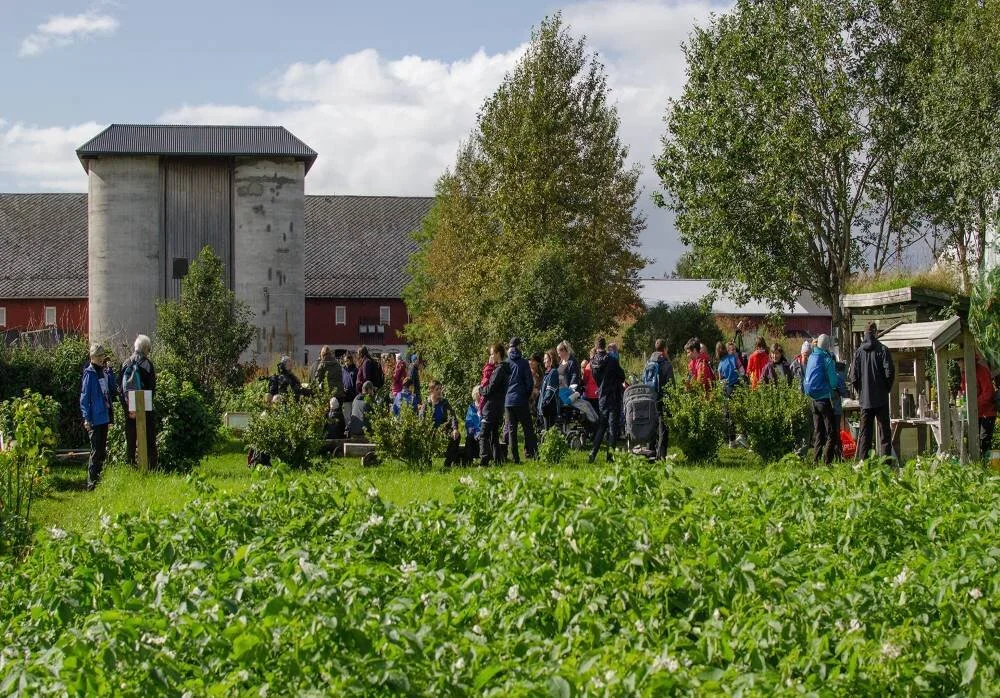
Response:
column 399, row 374
column 757, row 362
column 699, row 368
column 986, row 402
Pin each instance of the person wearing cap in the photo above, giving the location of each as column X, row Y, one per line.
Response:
column 399, row 374
column 517, row 409
column 97, row 391
column 284, row 381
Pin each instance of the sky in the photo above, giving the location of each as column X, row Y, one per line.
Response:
column 384, row 91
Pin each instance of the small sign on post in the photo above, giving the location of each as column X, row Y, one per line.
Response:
column 139, row 403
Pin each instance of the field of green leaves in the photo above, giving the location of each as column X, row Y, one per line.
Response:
column 830, row 582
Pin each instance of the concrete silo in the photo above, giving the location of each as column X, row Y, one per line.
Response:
column 159, row 194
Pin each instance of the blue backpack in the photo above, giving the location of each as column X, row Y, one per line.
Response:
column 651, row 375
column 816, row 381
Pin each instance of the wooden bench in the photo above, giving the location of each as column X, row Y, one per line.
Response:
column 356, row 449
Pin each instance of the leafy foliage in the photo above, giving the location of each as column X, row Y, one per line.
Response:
column 774, row 418
column 55, row 372
column 23, row 465
column 408, row 437
column 537, row 219
column 554, row 448
column 787, row 158
column 202, row 334
column 697, row 419
column 833, row 583
column 291, row 431
column 984, row 314
column 674, row 323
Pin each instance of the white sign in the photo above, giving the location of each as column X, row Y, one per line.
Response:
column 147, row 396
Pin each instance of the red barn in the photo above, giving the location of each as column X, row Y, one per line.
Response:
column 356, row 249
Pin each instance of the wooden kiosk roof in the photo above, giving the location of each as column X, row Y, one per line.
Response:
column 923, row 335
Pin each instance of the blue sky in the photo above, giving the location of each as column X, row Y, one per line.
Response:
column 383, row 91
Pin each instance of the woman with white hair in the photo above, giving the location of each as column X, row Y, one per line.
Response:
column 138, row 373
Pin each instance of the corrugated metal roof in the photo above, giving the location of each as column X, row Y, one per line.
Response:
column 675, row 291
column 157, row 139
column 356, row 246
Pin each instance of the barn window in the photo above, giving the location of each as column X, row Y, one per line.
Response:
column 3, row 317
column 181, row 267
column 383, row 315
column 341, row 315
column 50, row 315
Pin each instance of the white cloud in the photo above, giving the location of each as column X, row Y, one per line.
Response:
column 62, row 30
column 391, row 126
column 33, row 158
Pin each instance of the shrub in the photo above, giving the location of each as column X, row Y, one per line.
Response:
column 186, row 425
column 554, row 447
column 291, row 431
column 773, row 418
column 739, row 458
column 248, row 398
column 50, row 371
column 674, row 323
column 23, row 466
column 409, row 438
column 697, row 420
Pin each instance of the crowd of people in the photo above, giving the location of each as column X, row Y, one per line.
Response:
column 519, row 396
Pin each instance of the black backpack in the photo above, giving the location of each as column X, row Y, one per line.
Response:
column 378, row 376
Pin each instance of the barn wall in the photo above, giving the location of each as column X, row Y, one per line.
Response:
column 321, row 327
column 29, row 313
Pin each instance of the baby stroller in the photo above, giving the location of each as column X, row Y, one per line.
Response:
column 641, row 419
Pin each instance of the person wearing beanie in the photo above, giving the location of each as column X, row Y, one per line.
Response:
column 799, row 363
column 284, row 381
column 335, row 422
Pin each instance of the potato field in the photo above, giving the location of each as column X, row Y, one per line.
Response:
column 830, row 582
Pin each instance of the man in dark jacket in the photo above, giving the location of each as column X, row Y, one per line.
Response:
column 284, row 381
column 327, row 375
column 665, row 373
column 96, row 397
column 517, row 406
column 872, row 373
column 494, row 395
column 609, row 376
column 369, row 370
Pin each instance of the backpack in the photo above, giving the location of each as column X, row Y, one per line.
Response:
column 651, row 375
column 131, row 378
column 816, row 381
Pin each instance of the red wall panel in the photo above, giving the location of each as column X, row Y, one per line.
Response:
column 29, row 313
column 321, row 327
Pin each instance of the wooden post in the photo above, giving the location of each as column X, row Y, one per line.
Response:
column 944, row 409
column 971, row 395
column 141, row 452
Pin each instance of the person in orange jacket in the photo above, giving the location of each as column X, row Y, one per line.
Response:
column 758, row 362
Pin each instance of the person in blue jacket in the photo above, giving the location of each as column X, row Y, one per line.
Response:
column 517, row 409
column 97, row 391
column 820, row 384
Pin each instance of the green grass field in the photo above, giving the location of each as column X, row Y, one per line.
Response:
column 68, row 506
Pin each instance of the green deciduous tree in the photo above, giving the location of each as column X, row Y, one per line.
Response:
column 782, row 157
column 675, row 324
column 955, row 153
column 202, row 334
column 534, row 232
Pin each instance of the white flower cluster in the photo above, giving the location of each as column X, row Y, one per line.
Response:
column 57, row 533
column 900, row 579
column 372, row 493
column 466, row 480
column 891, row 651
column 665, row 662
column 375, row 520
column 514, row 593
column 975, row 594
column 408, row 567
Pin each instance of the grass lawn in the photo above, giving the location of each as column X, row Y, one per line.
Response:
column 70, row 507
